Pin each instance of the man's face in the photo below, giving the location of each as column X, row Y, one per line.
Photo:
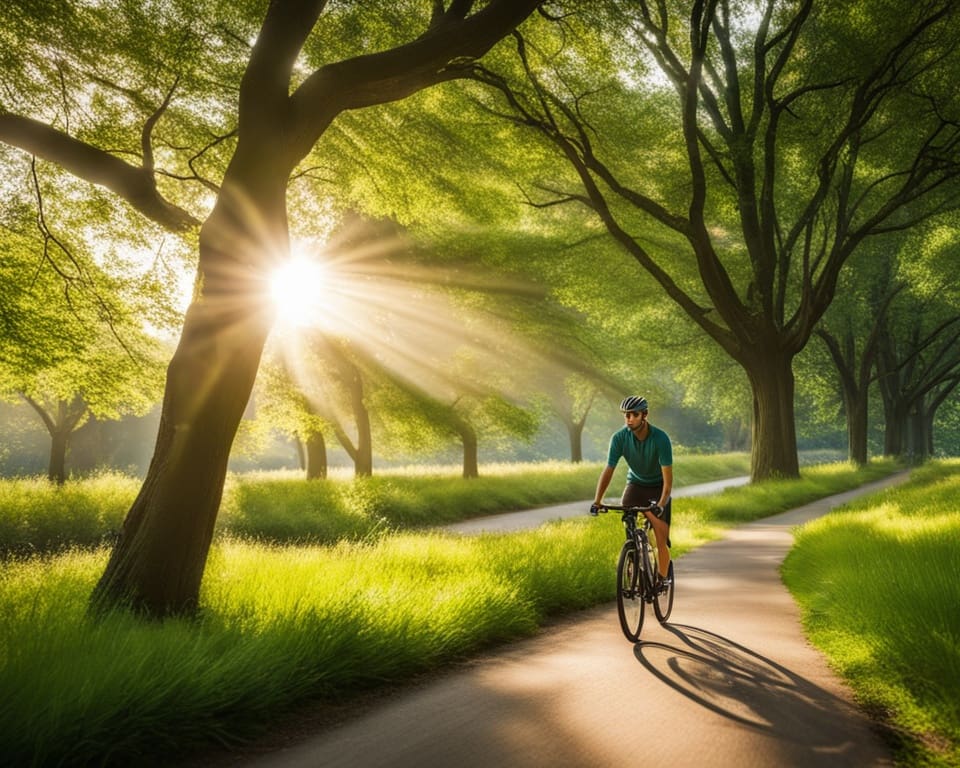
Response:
column 635, row 419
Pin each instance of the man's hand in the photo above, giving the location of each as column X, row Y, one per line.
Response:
column 596, row 509
column 656, row 509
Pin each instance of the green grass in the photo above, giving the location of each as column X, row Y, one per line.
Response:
column 39, row 517
column 878, row 583
column 282, row 625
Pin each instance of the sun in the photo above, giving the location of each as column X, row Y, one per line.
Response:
column 299, row 291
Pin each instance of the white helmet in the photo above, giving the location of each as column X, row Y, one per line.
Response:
column 633, row 403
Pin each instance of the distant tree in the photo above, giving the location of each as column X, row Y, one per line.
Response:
column 283, row 406
column 918, row 369
column 918, row 347
column 76, row 346
column 108, row 382
column 851, row 333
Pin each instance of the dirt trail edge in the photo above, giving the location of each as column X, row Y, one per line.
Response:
column 729, row 681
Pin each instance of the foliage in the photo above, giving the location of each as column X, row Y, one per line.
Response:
column 77, row 345
column 155, row 118
column 743, row 197
column 34, row 333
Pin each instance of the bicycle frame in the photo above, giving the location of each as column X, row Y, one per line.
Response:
column 637, row 575
column 638, row 535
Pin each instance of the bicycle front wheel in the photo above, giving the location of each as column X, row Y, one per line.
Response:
column 663, row 602
column 630, row 591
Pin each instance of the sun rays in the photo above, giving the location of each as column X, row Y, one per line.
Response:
column 435, row 329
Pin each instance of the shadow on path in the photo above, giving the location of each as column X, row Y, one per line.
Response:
column 746, row 687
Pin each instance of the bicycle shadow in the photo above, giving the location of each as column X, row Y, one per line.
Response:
column 738, row 683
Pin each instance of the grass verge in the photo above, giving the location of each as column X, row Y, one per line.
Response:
column 878, row 582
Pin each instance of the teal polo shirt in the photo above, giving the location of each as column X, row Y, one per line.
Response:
column 644, row 457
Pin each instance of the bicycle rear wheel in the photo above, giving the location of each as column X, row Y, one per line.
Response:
column 630, row 591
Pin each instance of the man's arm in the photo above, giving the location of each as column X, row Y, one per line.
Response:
column 603, row 482
column 667, row 486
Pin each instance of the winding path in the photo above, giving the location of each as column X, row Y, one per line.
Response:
column 730, row 681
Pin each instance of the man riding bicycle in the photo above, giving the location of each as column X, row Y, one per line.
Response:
column 649, row 456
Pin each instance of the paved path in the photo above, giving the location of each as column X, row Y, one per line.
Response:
column 729, row 681
column 531, row 518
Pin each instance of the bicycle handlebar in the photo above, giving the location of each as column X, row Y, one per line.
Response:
column 621, row 508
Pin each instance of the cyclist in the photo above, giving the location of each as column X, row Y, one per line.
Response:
column 649, row 456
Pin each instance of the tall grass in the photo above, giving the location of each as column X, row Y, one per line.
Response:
column 282, row 625
column 38, row 516
column 879, row 587
column 279, row 625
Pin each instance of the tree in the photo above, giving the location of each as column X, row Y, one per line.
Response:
column 76, row 347
column 789, row 160
column 918, row 367
column 158, row 562
column 106, row 382
column 283, row 406
column 917, row 360
column 851, row 332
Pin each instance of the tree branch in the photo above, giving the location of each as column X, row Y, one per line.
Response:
column 443, row 52
column 134, row 185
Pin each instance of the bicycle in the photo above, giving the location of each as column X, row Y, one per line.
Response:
column 637, row 572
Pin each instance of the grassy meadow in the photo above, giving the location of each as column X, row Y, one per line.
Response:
column 301, row 615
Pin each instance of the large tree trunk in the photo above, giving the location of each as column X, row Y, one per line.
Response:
column 774, row 453
column 894, row 426
column 918, row 437
column 158, row 562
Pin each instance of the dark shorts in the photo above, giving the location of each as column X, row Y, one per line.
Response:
column 635, row 495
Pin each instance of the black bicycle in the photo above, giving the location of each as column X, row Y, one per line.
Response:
column 637, row 582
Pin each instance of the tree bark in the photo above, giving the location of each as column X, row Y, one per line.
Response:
column 918, row 437
column 316, row 450
column 471, row 451
column 351, row 378
column 774, row 451
column 575, row 431
column 301, row 452
column 158, row 561
column 57, row 467
column 856, row 408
